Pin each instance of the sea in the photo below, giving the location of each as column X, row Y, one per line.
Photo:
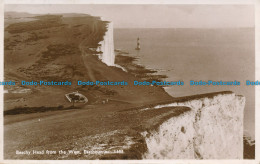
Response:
column 197, row 54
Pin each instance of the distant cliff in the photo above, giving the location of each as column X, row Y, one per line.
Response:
column 213, row 129
column 107, row 46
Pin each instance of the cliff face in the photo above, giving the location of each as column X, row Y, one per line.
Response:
column 213, row 129
column 107, row 46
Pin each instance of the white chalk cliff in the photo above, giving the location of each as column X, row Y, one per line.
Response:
column 212, row 129
column 107, row 46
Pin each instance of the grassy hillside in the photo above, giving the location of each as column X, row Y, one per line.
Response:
column 48, row 49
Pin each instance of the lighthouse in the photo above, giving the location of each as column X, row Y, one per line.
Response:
column 138, row 44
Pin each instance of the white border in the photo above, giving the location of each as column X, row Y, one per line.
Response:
column 257, row 68
column 129, row 1
column 1, row 78
column 257, row 76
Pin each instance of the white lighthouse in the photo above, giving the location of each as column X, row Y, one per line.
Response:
column 138, row 47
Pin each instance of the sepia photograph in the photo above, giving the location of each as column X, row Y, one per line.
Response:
column 129, row 82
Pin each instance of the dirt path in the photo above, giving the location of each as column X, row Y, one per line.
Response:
column 84, row 54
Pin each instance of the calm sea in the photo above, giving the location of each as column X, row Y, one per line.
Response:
column 197, row 54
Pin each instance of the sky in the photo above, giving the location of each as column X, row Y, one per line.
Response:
column 154, row 16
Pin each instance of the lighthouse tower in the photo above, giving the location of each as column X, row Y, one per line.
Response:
column 138, row 47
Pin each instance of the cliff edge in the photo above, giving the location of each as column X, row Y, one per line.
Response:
column 212, row 129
